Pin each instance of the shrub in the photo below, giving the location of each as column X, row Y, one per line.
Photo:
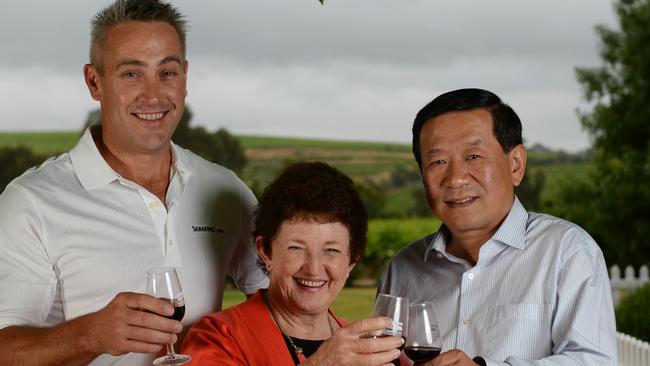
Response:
column 14, row 161
column 632, row 315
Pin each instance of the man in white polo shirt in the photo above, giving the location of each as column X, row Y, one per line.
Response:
column 78, row 233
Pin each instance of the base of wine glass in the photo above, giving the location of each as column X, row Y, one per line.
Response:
column 174, row 359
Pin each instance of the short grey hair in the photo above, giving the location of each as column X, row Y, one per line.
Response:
column 122, row 11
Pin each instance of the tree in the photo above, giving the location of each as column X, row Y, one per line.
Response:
column 14, row 161
column 614, row 202
column 373, row 197
column 219, row 147
column 530, row 190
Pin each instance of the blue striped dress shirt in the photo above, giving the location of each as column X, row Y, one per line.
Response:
column 538, row 295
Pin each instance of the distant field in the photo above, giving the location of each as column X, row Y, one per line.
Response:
column 265, row 142
column 351, row 304
column 363, row 161
column 65, row 139
column 41, row 142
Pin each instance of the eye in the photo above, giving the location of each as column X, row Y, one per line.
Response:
column 168, row 74
column 294, row 247
column 130, row 75
column 438, row 162
column 473, row 157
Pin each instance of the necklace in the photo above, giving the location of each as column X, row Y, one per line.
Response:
column 296, row 350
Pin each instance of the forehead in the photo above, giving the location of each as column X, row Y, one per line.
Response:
column 142, row 40
column 314, row 230
column 458, row 127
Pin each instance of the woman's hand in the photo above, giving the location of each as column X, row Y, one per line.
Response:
column 349, row 347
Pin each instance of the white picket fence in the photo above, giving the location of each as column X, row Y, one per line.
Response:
column 625, row 285
column 631, row 351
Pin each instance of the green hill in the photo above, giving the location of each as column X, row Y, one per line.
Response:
column 387, row 170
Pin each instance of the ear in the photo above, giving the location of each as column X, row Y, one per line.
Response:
column 91, row 76
column 260, row 250
column 350, row 268
column 186, row 66
column 517, row 158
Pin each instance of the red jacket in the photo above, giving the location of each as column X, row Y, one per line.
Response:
column 244, row 335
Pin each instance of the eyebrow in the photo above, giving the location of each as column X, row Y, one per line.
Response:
column 134, row 62
column 471, row 143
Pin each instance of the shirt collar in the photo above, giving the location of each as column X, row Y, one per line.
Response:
column 511, row 232
column 93, row 171
column 89, row 165
column 513, row 229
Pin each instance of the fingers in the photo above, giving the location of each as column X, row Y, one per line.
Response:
column 147, row 311
column 147, row 335
column 366, row 325
column 146, row 302
column 133, row 323
column 152, row 321
column 452, row 357
column 381, row 358
column 376, row 344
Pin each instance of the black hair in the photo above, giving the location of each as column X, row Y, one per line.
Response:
column 505, row 122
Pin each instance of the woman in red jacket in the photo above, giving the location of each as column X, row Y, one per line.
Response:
column 310, row 230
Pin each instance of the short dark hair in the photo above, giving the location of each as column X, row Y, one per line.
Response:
column 312, row 191
column 505, row 122
column 122, row 11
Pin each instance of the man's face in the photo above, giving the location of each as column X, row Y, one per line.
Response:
column 141, row 87
column 467, row 177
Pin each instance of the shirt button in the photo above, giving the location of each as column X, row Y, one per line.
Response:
column 471, row 276
column 153, row 204
column 170, row 243
column 466, row 321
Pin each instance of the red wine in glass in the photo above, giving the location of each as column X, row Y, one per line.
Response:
column 423, row 341
column 179, row 312
column 163, row 283
column 421, row 353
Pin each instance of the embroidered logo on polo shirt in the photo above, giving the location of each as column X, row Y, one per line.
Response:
column 206, row 229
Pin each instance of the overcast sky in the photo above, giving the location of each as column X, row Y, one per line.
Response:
column 352, row 69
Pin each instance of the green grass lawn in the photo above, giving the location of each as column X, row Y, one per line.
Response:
column 351, row 304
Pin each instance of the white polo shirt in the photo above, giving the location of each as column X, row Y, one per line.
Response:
column 73, row 234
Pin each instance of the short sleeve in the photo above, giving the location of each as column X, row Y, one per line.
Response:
column 27, row 278
column 244, row 267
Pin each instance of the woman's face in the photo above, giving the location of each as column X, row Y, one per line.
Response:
column 309, row 264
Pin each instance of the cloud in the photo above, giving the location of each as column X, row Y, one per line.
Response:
column 355, row 70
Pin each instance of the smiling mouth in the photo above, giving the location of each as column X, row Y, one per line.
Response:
column 150, row 116
column 461, row 202
column 310, row 284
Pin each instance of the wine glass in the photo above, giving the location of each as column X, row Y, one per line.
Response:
column 163, row 283
column 423, row 341
column 397, row 309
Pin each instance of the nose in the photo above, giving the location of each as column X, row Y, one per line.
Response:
column 150, row 91
column 312, row 264
column 457, row 175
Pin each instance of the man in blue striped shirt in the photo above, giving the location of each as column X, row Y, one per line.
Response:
column 510, row 287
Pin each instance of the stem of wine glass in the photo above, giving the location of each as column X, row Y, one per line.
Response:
column 170, row 350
